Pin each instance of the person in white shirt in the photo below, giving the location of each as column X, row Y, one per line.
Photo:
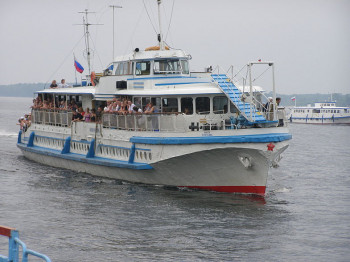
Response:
column 130, row 106
column 63, row 84
column 137, row 110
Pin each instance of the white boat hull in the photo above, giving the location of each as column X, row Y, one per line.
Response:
column 239, row 168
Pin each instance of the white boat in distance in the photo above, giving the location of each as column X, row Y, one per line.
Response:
column 204, row 132
column 320, row 113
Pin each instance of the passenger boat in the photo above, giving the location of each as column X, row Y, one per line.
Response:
column 205, row 132
column 320, row 113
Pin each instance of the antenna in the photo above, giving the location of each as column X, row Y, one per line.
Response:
column 160, row 36
column 87, row 35
column 114, row 6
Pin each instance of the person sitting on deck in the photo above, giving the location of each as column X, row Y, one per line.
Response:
column 63, row 84
column 53, row 84
column 76, row 116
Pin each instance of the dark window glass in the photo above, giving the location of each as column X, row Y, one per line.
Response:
column 187, row 105
column 169, row 105
column 202, row 105
column 220, row 105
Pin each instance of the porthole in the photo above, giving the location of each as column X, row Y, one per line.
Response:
column 137, row 154
column 141, row 155
column 150, row 156
column 145, row 155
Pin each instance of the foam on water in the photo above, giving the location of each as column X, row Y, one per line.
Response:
column 7, row 133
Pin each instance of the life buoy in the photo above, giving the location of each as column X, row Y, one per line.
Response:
column 93, row 76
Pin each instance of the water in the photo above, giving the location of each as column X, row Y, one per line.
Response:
column 305, row 215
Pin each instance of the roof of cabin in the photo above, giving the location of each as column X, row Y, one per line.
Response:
column 153, row 54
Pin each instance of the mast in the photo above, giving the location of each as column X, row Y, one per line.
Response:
column 86, row 25
column 114, row 6
column 160, row 36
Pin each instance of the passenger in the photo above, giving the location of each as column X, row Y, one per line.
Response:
column 150, row 109
column 74, row 106
column 45, row 105
column 123, row 108
column 87, row 116
column 53, row 84
column 270, row 109
column 93, row 115
column 77, row 117
column 267, row 105
column 108, row 107
column 130, row 107
column 137, row 110
column 81, row 111
column 62, row 105
column 63, row 84
column 114, row 108
column 99, row 114
column 278, row 101
column 187, row 111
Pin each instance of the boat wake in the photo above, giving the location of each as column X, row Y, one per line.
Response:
column 7, row 134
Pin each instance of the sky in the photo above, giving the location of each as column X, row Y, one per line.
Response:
column 308, row 40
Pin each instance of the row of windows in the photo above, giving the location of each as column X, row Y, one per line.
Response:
column 188, row 105
column 319, row 111
column 164, row 66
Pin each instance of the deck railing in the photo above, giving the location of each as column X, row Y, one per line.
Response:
column 52, row 117
column 146, row 122
column 14, row 246
column 161, row 122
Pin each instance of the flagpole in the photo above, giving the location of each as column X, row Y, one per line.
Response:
column 75, row 71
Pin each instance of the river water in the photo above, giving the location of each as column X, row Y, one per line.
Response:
column 68, row 216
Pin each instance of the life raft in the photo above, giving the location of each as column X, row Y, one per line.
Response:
column 155, row 48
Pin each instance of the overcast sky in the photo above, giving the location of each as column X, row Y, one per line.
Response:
column 309, row 40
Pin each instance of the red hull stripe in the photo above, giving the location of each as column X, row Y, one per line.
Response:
column 259, row 190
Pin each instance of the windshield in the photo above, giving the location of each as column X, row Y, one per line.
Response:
column 170, row 66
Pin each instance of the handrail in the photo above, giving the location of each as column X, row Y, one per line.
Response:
column 14, row 243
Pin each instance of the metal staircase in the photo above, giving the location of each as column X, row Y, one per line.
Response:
column 250, row 113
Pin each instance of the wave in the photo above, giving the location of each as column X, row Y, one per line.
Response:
column 8, row 134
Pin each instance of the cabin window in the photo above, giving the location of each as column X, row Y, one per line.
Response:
column 169, row 105
column 184, row 65
column 143, row 68
column 138, row 102
column 123, row 68
column 202, row 105
column 233, row 108
column 316, row 111
column 220, row 105
column 187, row 105
column 169, row 66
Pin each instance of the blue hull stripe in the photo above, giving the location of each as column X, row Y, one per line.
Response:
column 82, row 158
column 262, row 138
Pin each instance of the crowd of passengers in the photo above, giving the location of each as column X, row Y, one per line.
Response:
column 122, row 106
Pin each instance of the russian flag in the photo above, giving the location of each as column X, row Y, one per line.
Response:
column 293, row 98
column 78, row 66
